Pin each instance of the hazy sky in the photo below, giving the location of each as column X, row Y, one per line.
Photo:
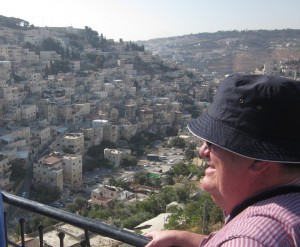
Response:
column 146, row 19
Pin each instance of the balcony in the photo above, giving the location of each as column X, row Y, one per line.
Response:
column 89, row 226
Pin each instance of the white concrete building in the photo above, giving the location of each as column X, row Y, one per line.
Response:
column 73, row 142
column 28, row 112
column 36, row 36
column 111, row 133
column 104, row 195
column 72, row 170
column 18, row 95
column 101, row 94
column 43, row 133
column 6, row 93
column 29, row 57
column 5, row 70
column 49, row 55
column 11, row 52
column 49, row 170
column 113, row 156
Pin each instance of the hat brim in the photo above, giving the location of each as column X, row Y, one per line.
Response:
column 242, row 143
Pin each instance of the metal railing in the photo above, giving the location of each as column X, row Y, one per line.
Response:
column 88, row 225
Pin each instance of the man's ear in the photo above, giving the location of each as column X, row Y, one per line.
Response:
column 259, row 166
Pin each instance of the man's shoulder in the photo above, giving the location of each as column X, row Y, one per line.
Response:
column 283, row 209
column 268, row 222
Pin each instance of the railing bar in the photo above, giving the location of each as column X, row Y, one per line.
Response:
column 77, row 220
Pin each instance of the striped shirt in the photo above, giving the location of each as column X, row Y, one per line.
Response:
column 274, row 222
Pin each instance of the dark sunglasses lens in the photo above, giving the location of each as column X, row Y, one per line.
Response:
column 208, row 144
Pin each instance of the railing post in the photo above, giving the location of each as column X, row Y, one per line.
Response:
column 41, row 236
column 87, row 238
column 22, row 223
column 5, row 228
column 61, row 236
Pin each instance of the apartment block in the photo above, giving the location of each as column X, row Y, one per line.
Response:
column 65, row 114
column 49, row 170
column 11, row 52
column 127, row 131
column 28, row 112
column 111, row 133
column 130, row 111
column 6, row 93
column 37, row 86
column 113, row 156
column 104, row 195
column 18, row 96
column 75, row 65
column 36, row 36
column 12, row 114
column 5, row 70
column 81, row 109
column 43, row 133
column 49, row 56
column 98, row 126
column 29, row 57
column 72, row 170
column 73, row 142
column 146, row 115
column 48, row 110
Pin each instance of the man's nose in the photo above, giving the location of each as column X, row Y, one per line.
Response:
column 204, row 150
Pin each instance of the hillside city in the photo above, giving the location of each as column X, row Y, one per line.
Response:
column 85, row 117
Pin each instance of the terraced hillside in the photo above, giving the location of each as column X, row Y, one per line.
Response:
column 229, row 52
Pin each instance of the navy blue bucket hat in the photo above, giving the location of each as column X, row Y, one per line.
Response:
column 255, row 116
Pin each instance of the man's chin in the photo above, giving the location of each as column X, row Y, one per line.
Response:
column 206, row 186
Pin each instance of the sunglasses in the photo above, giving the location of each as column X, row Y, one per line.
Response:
column 209, row 144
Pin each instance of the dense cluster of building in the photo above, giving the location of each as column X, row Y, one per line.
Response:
column 47, row 123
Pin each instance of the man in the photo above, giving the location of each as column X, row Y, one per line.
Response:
column 251, row 135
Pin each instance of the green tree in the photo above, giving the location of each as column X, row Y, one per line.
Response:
column 59, row 66
column 181, row 169
column 14, row 23
column 44, row 193
column 199, row 215
column 178, row 142
column 140, row 177
column 135, row 219
column 112, row 181
column 171, row 131
column 91, row 36
column 79, row 203
column 169, row 180
column 190, row 151
column 129, row 160
column 183, row 194
column 50, row 44
column 18, row 172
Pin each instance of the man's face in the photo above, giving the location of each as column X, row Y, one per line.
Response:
column 226, row 176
